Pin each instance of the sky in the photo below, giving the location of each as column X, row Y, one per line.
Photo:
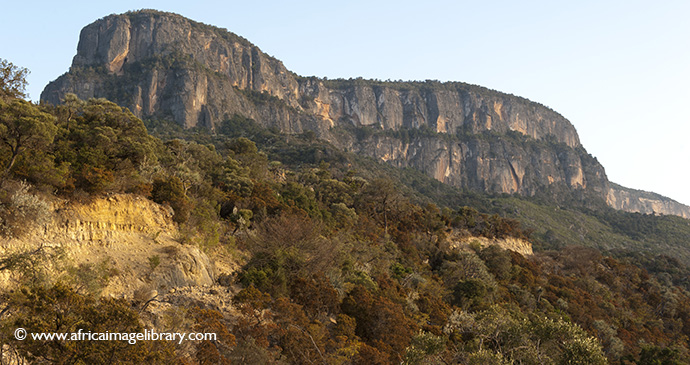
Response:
column 618, row 70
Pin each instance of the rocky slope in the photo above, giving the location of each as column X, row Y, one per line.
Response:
column 164, row 66
column 129, row 237
column 463, row 242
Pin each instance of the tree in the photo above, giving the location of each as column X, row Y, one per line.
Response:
column 284, row 248
column 12, row 80
column 497, row 260
column 382, row 198
column 71, row 105
column 171, row 191
column 24, row 126
column 218, row 350
column 105, row 145
column 381, row 323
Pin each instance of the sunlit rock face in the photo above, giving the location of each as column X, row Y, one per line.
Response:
column 164, row 66
column 645, row 202
column 120, row 232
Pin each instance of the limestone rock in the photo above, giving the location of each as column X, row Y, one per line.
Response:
column 632, row 200
column 164, row 66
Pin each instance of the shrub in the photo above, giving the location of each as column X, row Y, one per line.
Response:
column 22, row 211
column 61, row 309
column 172, row 192
column 154, row 261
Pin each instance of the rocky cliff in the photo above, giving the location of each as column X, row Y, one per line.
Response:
column 164, row 66
column 632, row 200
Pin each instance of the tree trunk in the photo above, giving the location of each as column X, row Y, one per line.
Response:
column 15, row 152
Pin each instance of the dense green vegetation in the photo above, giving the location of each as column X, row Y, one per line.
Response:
column 347, row 260
column 12, row 80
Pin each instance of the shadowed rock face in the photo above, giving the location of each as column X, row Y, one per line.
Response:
column 164, row 66
column 493, row 165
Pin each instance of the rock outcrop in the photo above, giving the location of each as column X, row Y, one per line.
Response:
column 164, row 66
column 493, row 163
column 460, row 242
column 133, row 238
column 631, row 200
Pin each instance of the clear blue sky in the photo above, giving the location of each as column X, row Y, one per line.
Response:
column 618, row 70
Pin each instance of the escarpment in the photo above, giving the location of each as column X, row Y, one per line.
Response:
column 492, row 163
column 445, row 108
column 164, row 66
column 632, row 200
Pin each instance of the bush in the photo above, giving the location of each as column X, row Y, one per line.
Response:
column 22, row 211
column 172, row 192
column 497, row 260
column 468, row 293
column 62, row 310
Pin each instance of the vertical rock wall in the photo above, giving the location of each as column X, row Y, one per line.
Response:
column 164, row 66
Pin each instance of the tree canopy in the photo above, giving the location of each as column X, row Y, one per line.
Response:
column 24, row 126
column 12, row 80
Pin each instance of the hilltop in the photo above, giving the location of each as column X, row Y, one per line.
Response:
column 163, row 66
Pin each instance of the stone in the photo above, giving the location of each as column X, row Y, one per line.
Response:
column 164, row 66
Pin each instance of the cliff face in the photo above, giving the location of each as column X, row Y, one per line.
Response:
column 632, row 200
column 442, row 108
column 161, row 64
column 164, row 66
column 492, row 163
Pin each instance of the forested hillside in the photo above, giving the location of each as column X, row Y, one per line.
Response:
column 339, row 259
